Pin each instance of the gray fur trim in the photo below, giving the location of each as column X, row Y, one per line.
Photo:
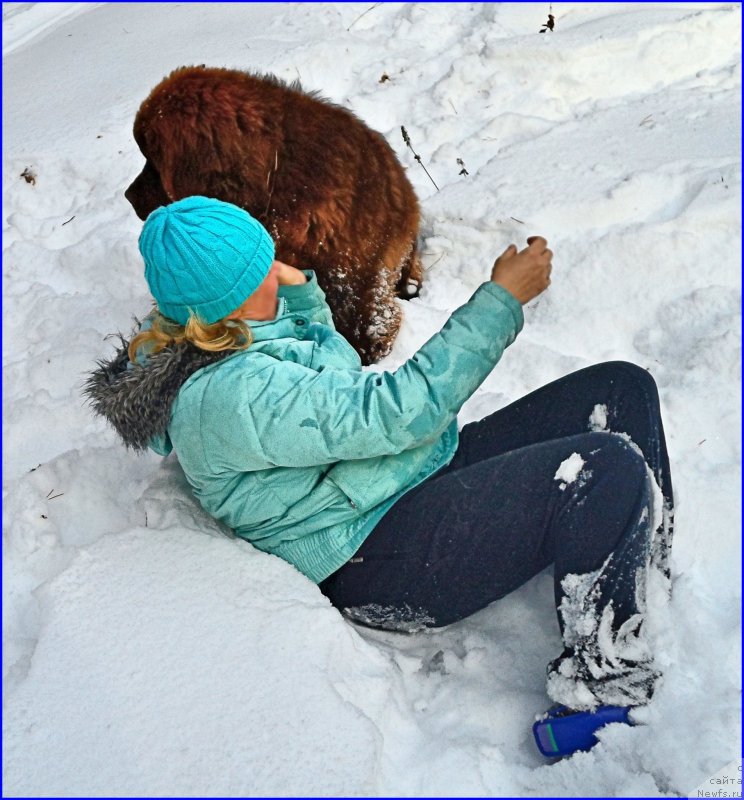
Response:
column 137, row 400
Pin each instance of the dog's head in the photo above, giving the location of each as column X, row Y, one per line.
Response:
column 205, row 131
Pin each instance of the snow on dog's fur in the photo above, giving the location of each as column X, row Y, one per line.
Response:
column 328, row 188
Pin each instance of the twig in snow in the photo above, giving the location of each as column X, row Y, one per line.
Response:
column 371, row 8
column 453, row 107
column 69, row 220
column 416, row 155
column 550, row 24
column 517, row 220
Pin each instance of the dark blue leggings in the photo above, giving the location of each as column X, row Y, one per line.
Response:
column 497, row 514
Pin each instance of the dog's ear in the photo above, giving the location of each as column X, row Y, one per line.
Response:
column 185, row 167
column 178, row 148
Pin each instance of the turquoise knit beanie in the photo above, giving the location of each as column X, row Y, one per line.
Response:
column 203, row 257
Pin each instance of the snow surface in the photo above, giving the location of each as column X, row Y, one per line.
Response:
column 147, row 651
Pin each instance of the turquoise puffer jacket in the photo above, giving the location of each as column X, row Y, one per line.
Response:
column 300, row 451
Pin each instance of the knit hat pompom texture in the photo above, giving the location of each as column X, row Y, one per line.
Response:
column 203, row 257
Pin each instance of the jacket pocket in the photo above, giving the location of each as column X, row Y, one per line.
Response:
column 350, row 501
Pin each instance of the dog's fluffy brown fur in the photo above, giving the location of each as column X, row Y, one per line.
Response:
column 329, row 190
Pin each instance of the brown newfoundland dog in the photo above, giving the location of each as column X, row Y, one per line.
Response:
column 329, row 190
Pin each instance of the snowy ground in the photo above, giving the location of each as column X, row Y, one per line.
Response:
column 146, row 651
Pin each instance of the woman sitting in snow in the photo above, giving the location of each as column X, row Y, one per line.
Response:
column 360, row 478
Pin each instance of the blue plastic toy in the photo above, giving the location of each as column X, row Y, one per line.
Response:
column 564, row 731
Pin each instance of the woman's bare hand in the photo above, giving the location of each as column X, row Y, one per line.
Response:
column 524, row 274
column 288, row 276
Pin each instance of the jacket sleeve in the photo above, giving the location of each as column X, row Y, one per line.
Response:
column 308, row 299
column 308, row 418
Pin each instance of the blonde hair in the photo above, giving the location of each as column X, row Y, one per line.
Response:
column 232, row 334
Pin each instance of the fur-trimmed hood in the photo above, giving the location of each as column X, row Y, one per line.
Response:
column 136, row 399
